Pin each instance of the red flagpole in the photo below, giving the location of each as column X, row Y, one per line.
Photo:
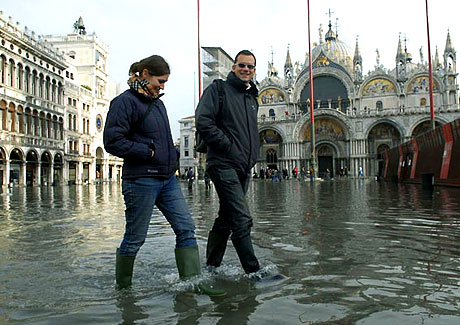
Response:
column 312, row 103
column 430, row 72
column 199, row 53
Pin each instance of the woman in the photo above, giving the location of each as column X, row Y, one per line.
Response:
column 137, row 130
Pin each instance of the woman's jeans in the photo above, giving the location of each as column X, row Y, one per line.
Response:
column 140, row 195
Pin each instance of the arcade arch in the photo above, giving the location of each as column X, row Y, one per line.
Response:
column 16, row 164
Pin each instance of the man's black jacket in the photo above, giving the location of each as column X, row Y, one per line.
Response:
column 231, row 134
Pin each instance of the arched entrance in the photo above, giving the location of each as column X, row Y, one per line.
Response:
column 272, row 159
column 16, row 162
column 45, row 168
column 2, row 166
column 99, row 164
column 331, row 135
column 73, row 172
column 270, row 148
column 381, row 159
column 325, row 154
column 31, row 168
column 424, row 127
column 58, row 166
column 381, row 136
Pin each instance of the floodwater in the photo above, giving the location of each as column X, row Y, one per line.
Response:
column 353, row 252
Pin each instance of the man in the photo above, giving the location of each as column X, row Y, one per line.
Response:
column 190, row 177
column 230, row 131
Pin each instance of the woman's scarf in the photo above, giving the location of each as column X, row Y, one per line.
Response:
column 142, row 86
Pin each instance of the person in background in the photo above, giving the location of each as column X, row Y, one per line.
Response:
column 137, row 130
column 190, row 177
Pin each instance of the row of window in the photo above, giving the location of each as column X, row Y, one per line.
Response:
column 73, row 148
column 42, row 126
column 32, row 82
column 72, row 123
column 34, row 58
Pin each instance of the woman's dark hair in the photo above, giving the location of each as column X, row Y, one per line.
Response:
column 245, row 52
column 155, row 64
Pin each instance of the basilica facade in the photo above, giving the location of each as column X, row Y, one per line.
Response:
column 357, row 117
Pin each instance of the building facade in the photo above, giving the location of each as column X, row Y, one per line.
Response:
column 216, row 64
column 187, row 145
column 54, row 95
column 357, row 117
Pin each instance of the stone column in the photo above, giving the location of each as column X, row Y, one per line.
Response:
column 79, row 172
column 106, row 173
column 38, row 175
column 6, row 172
column 92, row 171
column 51, row 174
column 22, row 174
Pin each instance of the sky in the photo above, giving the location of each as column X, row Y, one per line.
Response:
column 136, row 29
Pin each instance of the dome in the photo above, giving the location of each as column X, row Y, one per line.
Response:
column 335, row 50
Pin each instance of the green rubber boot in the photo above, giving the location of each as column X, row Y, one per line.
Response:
column 188, row 265
column 124, row 270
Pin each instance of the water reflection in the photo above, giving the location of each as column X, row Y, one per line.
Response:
column 354, row 251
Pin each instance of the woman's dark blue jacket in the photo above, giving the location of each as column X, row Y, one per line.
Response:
column 131, row 134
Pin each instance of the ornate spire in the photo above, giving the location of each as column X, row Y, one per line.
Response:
column 320, row 31
column 288, row 64
column 449, row 45
column 330, row 35
column 400, row 57
column 357, row 64
column 357, row 56
column 436, row 59
column 450, row 56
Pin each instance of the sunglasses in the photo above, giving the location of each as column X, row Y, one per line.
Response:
column 243, row 65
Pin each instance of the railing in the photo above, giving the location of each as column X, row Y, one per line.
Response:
column 271, row 119
column 370, row 112
column 33, row 141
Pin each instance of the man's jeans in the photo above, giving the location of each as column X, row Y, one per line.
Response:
column 231, row 188
column 140, row 196
column 234, row 219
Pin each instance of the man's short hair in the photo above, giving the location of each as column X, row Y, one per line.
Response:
column 245, row 52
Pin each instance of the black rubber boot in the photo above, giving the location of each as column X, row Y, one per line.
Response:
column 188, row 265
column 215, row 248
column 124, row 270
column 245, row 251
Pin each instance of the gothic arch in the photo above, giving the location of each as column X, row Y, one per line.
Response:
column 338, row 151
column 99, row 153
column 393, row 123
column 420, row 83
column 274, row 128
column 272, row 95
column 3, row 154
column 378, row 85
column 424, row 120
column 17, row 155
column 342, row 76
column 32, row 156
column 46, row 157
column 58, row 159
column 349, row 134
